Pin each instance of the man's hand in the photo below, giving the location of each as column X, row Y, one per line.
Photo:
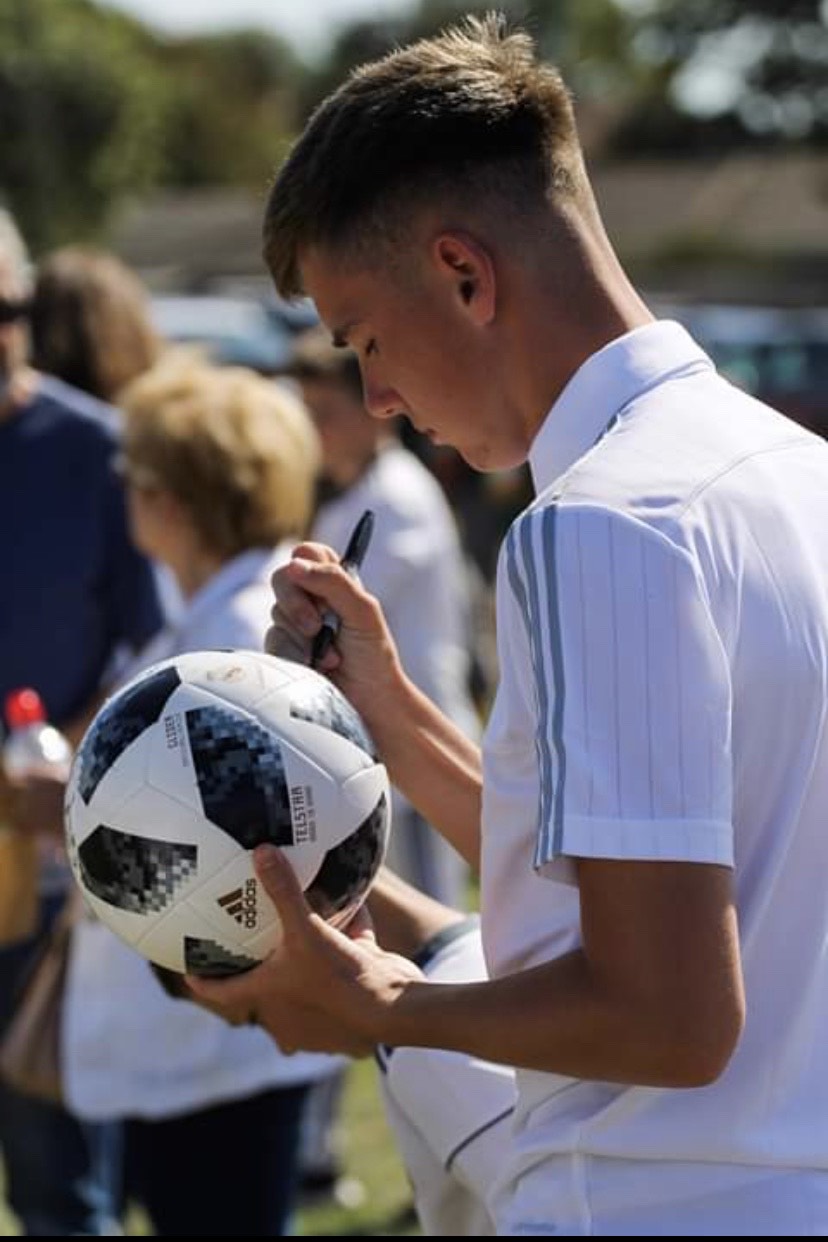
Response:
column 320, row 989
column 363, row 661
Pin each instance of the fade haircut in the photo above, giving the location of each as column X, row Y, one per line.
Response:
column 470, row 117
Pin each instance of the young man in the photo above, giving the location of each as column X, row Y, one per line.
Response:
column 648, row 809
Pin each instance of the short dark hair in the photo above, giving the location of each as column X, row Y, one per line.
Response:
column 471, row 113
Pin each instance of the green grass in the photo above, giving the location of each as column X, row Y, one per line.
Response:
column 369, row 1156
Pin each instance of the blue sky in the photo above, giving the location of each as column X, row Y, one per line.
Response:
column 308, row 24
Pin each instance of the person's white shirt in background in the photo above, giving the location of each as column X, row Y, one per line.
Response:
column 416, row 568
column 129, row 1049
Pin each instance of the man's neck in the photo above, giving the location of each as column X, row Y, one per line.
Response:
column 193, row 569
column 18, row 392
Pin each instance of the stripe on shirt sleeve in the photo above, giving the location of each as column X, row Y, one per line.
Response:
column 531, row 563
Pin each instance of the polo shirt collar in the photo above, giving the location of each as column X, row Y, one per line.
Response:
column 602, row 386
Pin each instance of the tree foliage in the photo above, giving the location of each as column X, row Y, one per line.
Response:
column 79, row 114
column 233, row 108
column 95, row 107
column 588, row 39
column 679, row 76
column 731, row 72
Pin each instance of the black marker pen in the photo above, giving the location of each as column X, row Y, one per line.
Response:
column 352, row 558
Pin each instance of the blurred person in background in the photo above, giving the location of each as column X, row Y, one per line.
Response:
column 484, row 504
column 416, row 566
column 219, row 465
column 90, row 321
column 75, row 595
column 92, row 326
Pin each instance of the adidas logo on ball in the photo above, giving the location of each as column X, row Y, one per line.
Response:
column 240, row 903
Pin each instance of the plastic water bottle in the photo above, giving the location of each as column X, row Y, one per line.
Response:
column 33, row 747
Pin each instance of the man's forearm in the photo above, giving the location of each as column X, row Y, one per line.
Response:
column 436, row 767
column 557, row 1018
column 406, row 919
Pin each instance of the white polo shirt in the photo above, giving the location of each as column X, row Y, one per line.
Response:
column 663, row 646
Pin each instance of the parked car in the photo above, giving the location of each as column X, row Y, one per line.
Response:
column 779, row 354
column 233, row 330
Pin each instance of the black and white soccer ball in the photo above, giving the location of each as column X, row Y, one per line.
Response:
column 186, row 769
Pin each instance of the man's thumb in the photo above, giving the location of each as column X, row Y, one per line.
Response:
column 278, row 879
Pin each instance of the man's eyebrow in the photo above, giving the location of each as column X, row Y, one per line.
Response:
column 339, row 336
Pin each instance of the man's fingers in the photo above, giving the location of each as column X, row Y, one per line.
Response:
column 279, row 881
column 232, row 998
column 286, row 642
column 296, row 614
column 319, row 552
column 294, row 610
column 324, row 580
column 361, row 926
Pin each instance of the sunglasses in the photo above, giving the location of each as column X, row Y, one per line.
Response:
column 12, row 309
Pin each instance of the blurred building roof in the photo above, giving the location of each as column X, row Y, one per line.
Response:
column 764, row 203
column 743, row 220
column 192, row 239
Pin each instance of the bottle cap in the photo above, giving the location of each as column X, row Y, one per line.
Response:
column 24, row 707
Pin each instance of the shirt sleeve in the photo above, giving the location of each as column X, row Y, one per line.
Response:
column 451, row 1113
column 631, row 688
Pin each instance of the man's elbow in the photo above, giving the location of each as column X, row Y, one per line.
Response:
column 704, row 1048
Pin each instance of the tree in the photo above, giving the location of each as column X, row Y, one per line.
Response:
column 233, row 109
column 733, row 71
column 81, row 109
column 94, row 107
column 588, row 39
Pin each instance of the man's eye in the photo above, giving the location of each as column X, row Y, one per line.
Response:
column 371, row 347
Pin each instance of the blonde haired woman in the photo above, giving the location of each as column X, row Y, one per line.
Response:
column 220, row 466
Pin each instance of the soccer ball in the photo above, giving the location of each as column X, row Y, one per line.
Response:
column 193, row 763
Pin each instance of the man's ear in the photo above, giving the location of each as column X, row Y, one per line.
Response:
column 468, row 266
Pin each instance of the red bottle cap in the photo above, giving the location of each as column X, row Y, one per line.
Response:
column 24, row 707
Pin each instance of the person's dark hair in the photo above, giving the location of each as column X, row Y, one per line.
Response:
column 315, row 357
column 470, row 116
column 90, row 321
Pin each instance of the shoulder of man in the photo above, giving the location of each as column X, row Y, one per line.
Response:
column 67, row 405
